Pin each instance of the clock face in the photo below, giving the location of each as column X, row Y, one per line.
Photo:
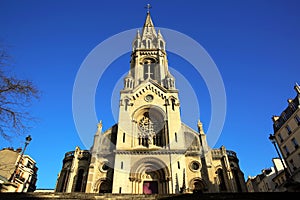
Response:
column 149, row 98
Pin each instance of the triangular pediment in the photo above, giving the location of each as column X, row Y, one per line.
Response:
column 149, row 85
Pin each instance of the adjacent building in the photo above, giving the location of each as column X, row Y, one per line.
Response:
column 150, row 150
column 267, row 181
column 17, row 173
column 286, row 138
column 73, row 176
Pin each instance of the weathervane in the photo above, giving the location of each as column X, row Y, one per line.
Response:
column 148, row 7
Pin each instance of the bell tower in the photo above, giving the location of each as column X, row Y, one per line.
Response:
column 149, row 121
column 149, row 58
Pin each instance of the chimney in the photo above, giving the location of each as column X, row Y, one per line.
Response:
column 19, row 150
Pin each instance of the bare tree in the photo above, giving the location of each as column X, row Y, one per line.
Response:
column 16, row 96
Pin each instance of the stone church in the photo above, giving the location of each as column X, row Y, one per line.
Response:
column 150, row 150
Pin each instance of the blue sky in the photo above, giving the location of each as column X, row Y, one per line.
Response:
column 254, row 44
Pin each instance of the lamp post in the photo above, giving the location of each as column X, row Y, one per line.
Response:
column 28, row 139
column 272, row 139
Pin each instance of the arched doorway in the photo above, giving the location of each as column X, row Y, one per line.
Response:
column 105, row 187
column 198, row 185
column 150, row 182
column 150, row 176
column 150, row 187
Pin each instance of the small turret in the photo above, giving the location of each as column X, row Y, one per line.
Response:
column 275, row 118
column 137, row 41
column 200, row 127
column 160, row 41
column 297, row 88
column 128, row 82
column 169, row 81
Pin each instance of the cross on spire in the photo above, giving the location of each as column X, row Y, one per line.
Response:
column 148, row 6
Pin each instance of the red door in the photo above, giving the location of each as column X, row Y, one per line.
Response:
column 150, row 187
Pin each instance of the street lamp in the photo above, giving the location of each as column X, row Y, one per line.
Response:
column 27, row 141
column 272, row 139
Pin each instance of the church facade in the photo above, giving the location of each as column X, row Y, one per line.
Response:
column 150, row 150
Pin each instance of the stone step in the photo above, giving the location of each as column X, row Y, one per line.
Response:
column 89, row 196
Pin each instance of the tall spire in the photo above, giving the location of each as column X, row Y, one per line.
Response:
column 148, row 29
column 149, row 59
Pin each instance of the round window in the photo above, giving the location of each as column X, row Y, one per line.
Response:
column 195, row 166
column 149, row 98
column 105, row 167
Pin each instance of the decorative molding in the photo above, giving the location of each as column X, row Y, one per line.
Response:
column 149, row 152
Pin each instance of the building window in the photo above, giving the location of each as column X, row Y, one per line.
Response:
column 286, row 150
column 284, row 116
column 121, row 164
column 126, row 104
column 280, row 137
column 105, row 166
column 173, row 104
column 161, row 45
column 178, row 164
column 78, row 186
column 123, row 137
column 149, row 66
column 151, row 129
column 295, row 143
column 288, row 129
column 293, row 164
column 120, row 190
column 194, row 166
column 293, row 106
column 297, row 119
column 175, row 137
column 222, row 185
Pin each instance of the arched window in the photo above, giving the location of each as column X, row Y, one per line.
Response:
column 105, row 187
column 222, row 185
column 173, row 104
column 237, row 180
column 63, row 182
column 135, row 44
column 79, row 181
column 161, row 45
column 149, row 68
column 151, row 130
